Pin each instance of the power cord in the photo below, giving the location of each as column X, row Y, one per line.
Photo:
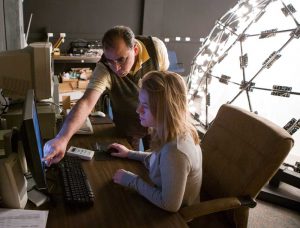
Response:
column 3, row 106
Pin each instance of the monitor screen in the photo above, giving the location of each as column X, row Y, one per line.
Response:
column 27, row 68
column 32, row 141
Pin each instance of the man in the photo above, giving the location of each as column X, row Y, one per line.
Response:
column 124, row 62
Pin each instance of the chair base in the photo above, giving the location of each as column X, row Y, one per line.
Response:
column 285, row 195
column 211, row 221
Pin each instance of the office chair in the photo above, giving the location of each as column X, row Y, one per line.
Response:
column 175, row 66
column 241, row 152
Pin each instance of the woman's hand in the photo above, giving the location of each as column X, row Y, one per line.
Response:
column 121, row 151
column 117, row 178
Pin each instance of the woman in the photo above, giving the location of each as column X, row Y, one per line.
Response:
column 175, row 164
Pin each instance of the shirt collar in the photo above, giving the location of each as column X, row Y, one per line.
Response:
column 142, row 57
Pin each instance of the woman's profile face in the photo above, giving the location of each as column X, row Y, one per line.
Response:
column 146, row 117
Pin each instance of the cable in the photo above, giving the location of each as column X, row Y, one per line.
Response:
column 5, row 106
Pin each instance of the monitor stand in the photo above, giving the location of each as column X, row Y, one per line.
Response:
column 36, row 196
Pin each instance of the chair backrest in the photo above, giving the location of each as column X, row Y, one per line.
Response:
column 241, row 152
column 174, row 65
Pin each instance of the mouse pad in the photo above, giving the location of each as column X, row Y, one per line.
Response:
column 100, row 120
column 101, row 153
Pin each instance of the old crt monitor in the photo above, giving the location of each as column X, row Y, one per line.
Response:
column 32, row 141
column 27, row 68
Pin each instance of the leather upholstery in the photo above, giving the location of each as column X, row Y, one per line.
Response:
column 241, row 152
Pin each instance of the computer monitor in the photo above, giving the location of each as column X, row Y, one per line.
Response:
column 27, row 68
column 32, row 141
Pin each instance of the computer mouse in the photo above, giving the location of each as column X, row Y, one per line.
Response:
column 112, row 150
column 98, row 113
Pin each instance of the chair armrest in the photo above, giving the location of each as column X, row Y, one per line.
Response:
column 215, row 205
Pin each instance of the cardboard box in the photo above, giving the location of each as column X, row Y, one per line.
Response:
column 66, row 87
column 72, row 80
column 82, row 84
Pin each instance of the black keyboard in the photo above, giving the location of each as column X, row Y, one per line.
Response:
column 76, row 187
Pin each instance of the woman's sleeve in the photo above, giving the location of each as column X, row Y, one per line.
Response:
column 137, row 155
column 174, row 168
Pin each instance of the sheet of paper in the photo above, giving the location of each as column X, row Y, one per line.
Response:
column 19, row 218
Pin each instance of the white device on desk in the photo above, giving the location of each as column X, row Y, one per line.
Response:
column 98, row 113
column 81, row 153
column 13, row 185
column 86, row 128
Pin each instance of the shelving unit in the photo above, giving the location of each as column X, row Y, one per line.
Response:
column 63, row 63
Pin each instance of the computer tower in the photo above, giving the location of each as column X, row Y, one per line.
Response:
column 13, row 185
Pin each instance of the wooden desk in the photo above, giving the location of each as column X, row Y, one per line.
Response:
column 114, row 206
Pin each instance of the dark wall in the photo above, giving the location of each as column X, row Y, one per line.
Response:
column 189, row 18
column 80, row 19
column 89, row 19
column 193, row 18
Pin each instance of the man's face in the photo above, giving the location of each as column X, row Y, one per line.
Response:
column 121, row 58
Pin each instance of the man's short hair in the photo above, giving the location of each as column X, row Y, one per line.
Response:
column 115, row 33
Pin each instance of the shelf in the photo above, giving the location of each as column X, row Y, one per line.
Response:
column 75, row 59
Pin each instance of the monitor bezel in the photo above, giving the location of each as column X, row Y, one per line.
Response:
column 30, row 140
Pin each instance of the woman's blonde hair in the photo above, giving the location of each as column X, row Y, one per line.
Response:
column 167, row 96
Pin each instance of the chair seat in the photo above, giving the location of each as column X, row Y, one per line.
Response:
column 216, row 220
column 211, row 220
